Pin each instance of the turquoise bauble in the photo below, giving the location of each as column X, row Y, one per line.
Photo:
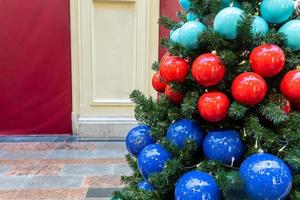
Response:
column 228, row 3
column 226, row 22
column 292, row 31
column 189, row 32
column 276, row 11
column 185, row 4
column 174, row 35
column 191, row 16
column 259, row 27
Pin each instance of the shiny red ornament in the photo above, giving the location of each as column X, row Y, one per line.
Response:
column 208, row 70
column 165, row 56
column 173, row 69
column 249, row 88
column 213, row 106
column 286, row 107
column 174, row 96
column 158, row 83
column 290, row 86
column 267, row 60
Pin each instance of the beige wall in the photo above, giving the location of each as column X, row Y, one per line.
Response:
column 114, row 43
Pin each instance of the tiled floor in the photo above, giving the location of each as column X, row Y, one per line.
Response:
column 60, row 168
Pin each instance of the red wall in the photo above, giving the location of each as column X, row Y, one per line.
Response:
column 35, row 67
column 167, row 8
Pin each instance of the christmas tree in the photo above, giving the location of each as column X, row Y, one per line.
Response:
column 226, row 124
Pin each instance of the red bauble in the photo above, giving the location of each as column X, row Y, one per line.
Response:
column 213, row 106
column 249, row 88
column 286, row 107
column 267, row 60
column 173, row 95
column 165, row 56
column 208, row 70
column 173, row 69
column 290, row 86
column 157, row 83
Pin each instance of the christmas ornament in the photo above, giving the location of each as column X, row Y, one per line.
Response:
column 165, row 56
column 185, row 4
column 183, row 130
column 152, row 159
column 267, row 60
column 230, row 3
column 259, row 27
column 173, row 69
column 276, row 11
column 174, row 35
column 265, row 176
column 157, row 83
column 196, row 185
column 191, row 16
column 213, row 106
column 226, row 22
column 174, row 96
column 138, row 138
column 144, row 185
column 208, row 70
column 249, row 88
column 290, row 86
column 286, row 107
column 189, row 33
column 228, row 142
column 291, row 29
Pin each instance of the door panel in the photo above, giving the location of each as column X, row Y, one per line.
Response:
column 35, row 69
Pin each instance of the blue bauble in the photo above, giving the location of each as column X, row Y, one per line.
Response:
column 174, row 35
column 265, row 176
column 145, row 185
column 185, row 4
column 276, row 11
column 226, row 22
column 225, row 146
column 138, row 138
column 228, row 3
column 196, row 185
column 292, row 31
column 191, row 16
column 152, row 159
column 183, row 130
column 189, row 32
column 259, row 27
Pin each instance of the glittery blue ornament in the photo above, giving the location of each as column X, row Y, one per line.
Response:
column 276, row 11
column 145, row 185
column 183, row 130
column 174, row 35
column 230, row 3
column 138, row 138
column 185, row 4
column 292, row 31
column 196, row 185
column 259, row 27
column 152, row 159
column 265, row 176
column 226, row 22
column 225, row 146
column 189, row 32
column 191, row 16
